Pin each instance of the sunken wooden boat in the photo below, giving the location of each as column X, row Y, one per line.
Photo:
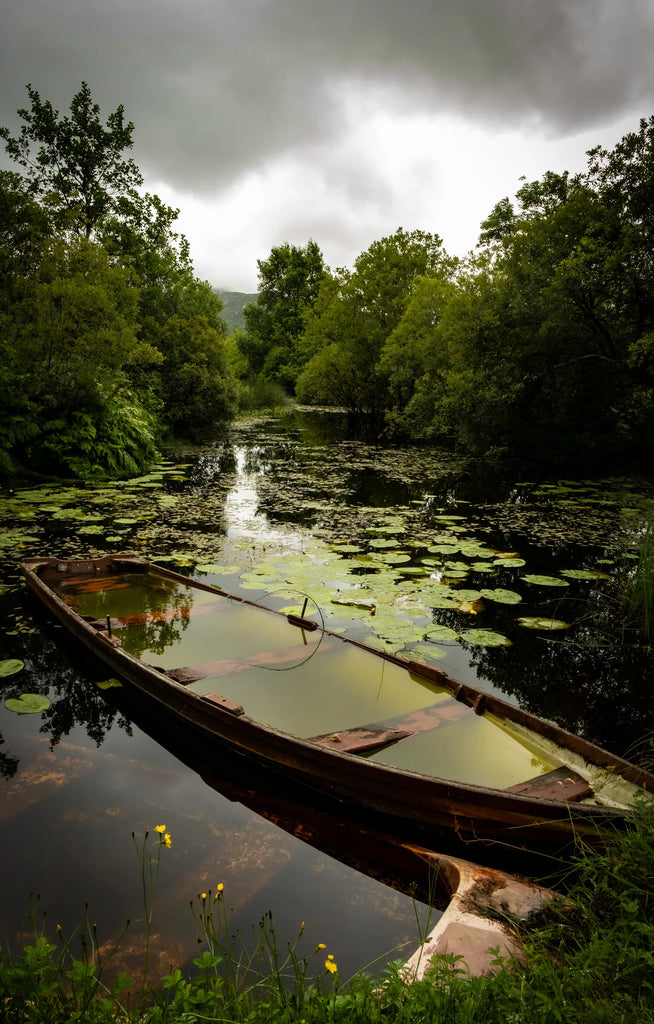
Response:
column 378, row 731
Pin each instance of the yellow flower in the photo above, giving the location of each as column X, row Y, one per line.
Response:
column 203, row 895
column 321, row 945
column 331, row 966
column 160, row 828
column 167, row 841
column 220, row 887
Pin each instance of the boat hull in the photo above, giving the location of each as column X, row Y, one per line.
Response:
column 408, row 802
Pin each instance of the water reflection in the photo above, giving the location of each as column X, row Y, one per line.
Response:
column 262, row 508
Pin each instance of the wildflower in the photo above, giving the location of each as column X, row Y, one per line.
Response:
column 220, row 887
column 321, row 945
column 167, row 841
column 203, row 895
column 59, row 928
column 160, row 829
column 330, row 964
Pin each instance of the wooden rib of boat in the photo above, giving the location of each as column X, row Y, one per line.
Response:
column 399, row 738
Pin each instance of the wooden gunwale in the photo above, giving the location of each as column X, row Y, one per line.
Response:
column 474, row 811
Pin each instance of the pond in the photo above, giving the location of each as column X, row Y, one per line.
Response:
column 509, row 584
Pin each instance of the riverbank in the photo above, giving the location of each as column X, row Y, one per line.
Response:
column 588, row 961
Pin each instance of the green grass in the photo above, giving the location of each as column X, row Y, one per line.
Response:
column 590, row 962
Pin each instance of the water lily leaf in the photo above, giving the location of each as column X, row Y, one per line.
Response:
column 537, row 622
column 502, row 596
column 93, row 529
column 351, row 602
column 485, row 638
column 11, row 666
column 546, row 581
column 27, row 704
column 470, row 607
column 382, row 543
column 443, row 634
column 426, row 652
column 380, row 644
column 108, row 684
column 14, row 538
column 482, row 567
column 584, row 574
column 510, row 561
column 467, row 595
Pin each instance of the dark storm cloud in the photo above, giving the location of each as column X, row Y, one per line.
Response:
column 216, row 86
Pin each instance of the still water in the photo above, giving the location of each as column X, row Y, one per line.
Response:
column 510, row 584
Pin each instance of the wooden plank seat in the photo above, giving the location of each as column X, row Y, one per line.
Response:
column 382, row 734
column 559, row 784
column 276, row 660
column 357, row 741
column 147, row 618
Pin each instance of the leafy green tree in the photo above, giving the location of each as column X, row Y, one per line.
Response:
column 69, row 336
column 106, row 336
column 74, row 164
column 357, row 311
column 289, row 281
column 415, row 360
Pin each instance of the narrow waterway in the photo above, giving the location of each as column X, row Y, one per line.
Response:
column 510, row 584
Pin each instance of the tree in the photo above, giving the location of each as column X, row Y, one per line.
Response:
column 289, row 281
column 106, row 335
column 75, row 164
column 355, row 314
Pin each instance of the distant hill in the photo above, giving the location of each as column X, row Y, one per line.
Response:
column 233, row 307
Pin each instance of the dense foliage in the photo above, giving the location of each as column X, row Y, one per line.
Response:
column 540, row 344
column 107, row 338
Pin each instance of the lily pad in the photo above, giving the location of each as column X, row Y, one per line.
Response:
column 584, row 574
column 11, row 666
column 426, row 652
column 510, row 561
column 442, row 634
column 485, row 638
column 546, row 581
column 538, row 622
column 27, row 704
column 502, row 596
column 108, row 684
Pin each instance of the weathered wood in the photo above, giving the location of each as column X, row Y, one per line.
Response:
column 560, row 784
column 229, row 666
column 225, row 703
column 356, row 741
column 522, row 818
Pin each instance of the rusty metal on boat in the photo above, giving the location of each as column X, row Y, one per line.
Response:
column 578, row 790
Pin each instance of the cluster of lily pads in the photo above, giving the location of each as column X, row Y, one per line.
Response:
column 385, row 571
column 27, row 703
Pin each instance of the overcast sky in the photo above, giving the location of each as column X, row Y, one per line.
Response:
column 267, row 121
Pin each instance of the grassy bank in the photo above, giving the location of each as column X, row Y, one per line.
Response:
column 590, row 962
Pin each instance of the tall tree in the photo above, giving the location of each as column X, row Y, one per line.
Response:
column 75, row 164
column 357, row 312
column 289, row 281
